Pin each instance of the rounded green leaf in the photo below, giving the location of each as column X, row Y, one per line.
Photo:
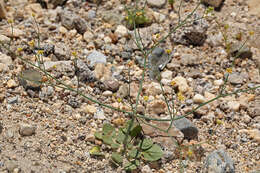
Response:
column 95, row 151
column 152, row 154
column 145, row 144
column 116, row 157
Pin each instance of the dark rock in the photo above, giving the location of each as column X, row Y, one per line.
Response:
column 12, row 100
column 189, row 130
column 213, row 3
column 1, row 127
column 219, row 162
column 80, row 25
column 157, row 62
column 194, row 33
column 84, row 73
column 56, row 3
column 239, row 50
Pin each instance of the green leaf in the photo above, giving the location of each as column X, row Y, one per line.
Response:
column 98, row 135
column 145, row 144
column 107, row 129
column 132, row 165
column 134, row 153
column 136, row 131
column 107, row 139
column 95, row 151
column 120, row 137
column 152, row 154
column 115, row 145
column 116, row 157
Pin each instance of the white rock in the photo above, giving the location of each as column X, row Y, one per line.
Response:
column 3, row 67
column 88, row 36
column 63, row 30
column 146, row 169
column 218, row 82
column 89, row 109
column 167, row 75
column 181, row 82
column 234, row 105
column 199, row 99
column 121, row 31
column 107, row 93
column 5, row 59
column 4, row 39
column 157, row 107
column 11, row 83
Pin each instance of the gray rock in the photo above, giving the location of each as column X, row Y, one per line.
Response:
column 4, row 39
column 126, row 55
column 84, row 73
column 12, row 100
column 70, row 21
column 239, row 50
column 157, row 62
column 11, row 165
column 189, row 130
column 59, row 66
column 194, row 33
column 91, row 14
column 156, row 3
column 235, row 78
column 256, row 171
column 111, row 85
column 30, row 79
column 213, row 3
column 215, row 39
column 96, row 57
column 100, row 115
column 27, row 130
column 123, row 91
column 219, row 162
column 61, row 51
column 189, row 59
column 5, row 59
column 80, row 25
column 112, row 17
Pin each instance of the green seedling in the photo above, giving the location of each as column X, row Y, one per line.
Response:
column 137, row 149
column 137, row 18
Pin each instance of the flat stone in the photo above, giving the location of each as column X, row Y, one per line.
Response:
column 30, row 79
column 156, row 3
column 111, row 85
column 213, row 3
column 219, row 161
column 189, row 59
column 167, row 74
column 5, row 59
column 121, row 31
column 157, row 107
column 189, row 130
column 153, row 89
column 123, row 91
column 235, row 78
column 88, row 36
column 27, row 130
column 89, row 109
column 234, row 105
column 96, row 57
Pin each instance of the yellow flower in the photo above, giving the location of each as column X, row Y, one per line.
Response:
column 226, row 26
column 146, row 98
column 119, row 100
column 74, row 53
column 19, row 49
column 139, row 13
column 40, row 52
column 33, row 14
column 168, row 51
column 157, row 35
column 190, row 153
column 180, row 96
column 10, row 21
column 251, row 33
column 130, row 63
column 126, row 18
column 229, row 70
column 173, row 83
column 31, row 43
column 219, row 122
column 54, row 66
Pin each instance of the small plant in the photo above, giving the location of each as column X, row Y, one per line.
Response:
column 137, row 18
column 137, row 147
